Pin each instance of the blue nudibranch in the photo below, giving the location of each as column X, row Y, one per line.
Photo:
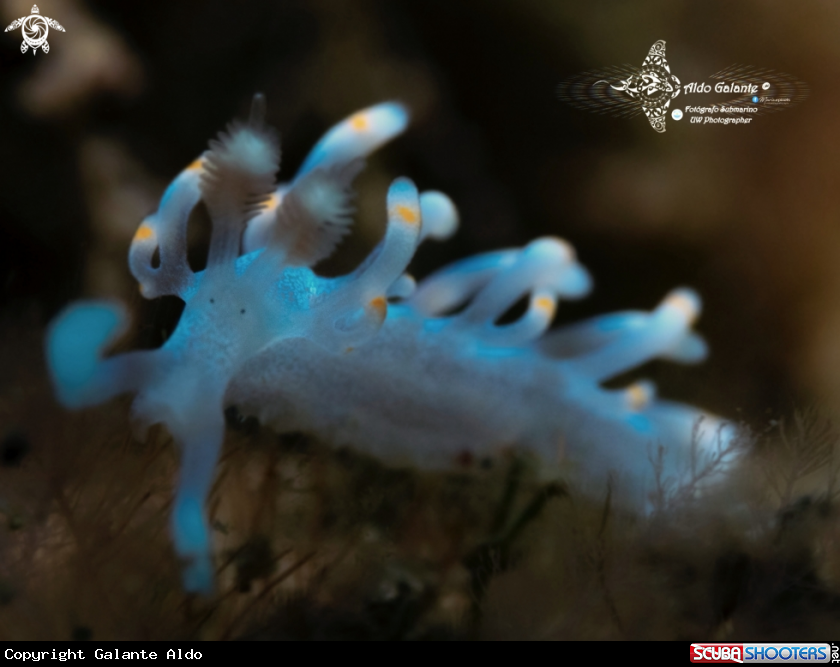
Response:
column 371, row 359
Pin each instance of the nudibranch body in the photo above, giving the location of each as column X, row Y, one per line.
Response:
column 369, row 359
column 441, row 392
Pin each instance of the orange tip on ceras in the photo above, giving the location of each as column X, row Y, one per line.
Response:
column 359, row 122
column 144, row 233
column 380, row 305
column 686, row 302
column 407, row 214
column 639, row 396
column 404, row 202
column 544, row 303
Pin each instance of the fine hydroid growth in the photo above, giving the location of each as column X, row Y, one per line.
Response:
column 311, row 542
column 370, row 359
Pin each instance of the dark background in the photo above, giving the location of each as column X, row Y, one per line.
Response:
column 747, row 215
column 91, row 132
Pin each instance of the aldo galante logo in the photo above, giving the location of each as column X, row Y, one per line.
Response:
column 35, row 29
column 625, row 90
column 653, row 86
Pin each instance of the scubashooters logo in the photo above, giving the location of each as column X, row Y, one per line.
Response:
column 625, row 90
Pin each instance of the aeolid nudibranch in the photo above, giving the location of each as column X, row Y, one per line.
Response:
column 369, row 359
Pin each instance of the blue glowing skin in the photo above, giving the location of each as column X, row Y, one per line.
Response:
column 371, row 359
column 239, row 304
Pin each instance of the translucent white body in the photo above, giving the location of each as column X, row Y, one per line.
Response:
column 371, row 359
